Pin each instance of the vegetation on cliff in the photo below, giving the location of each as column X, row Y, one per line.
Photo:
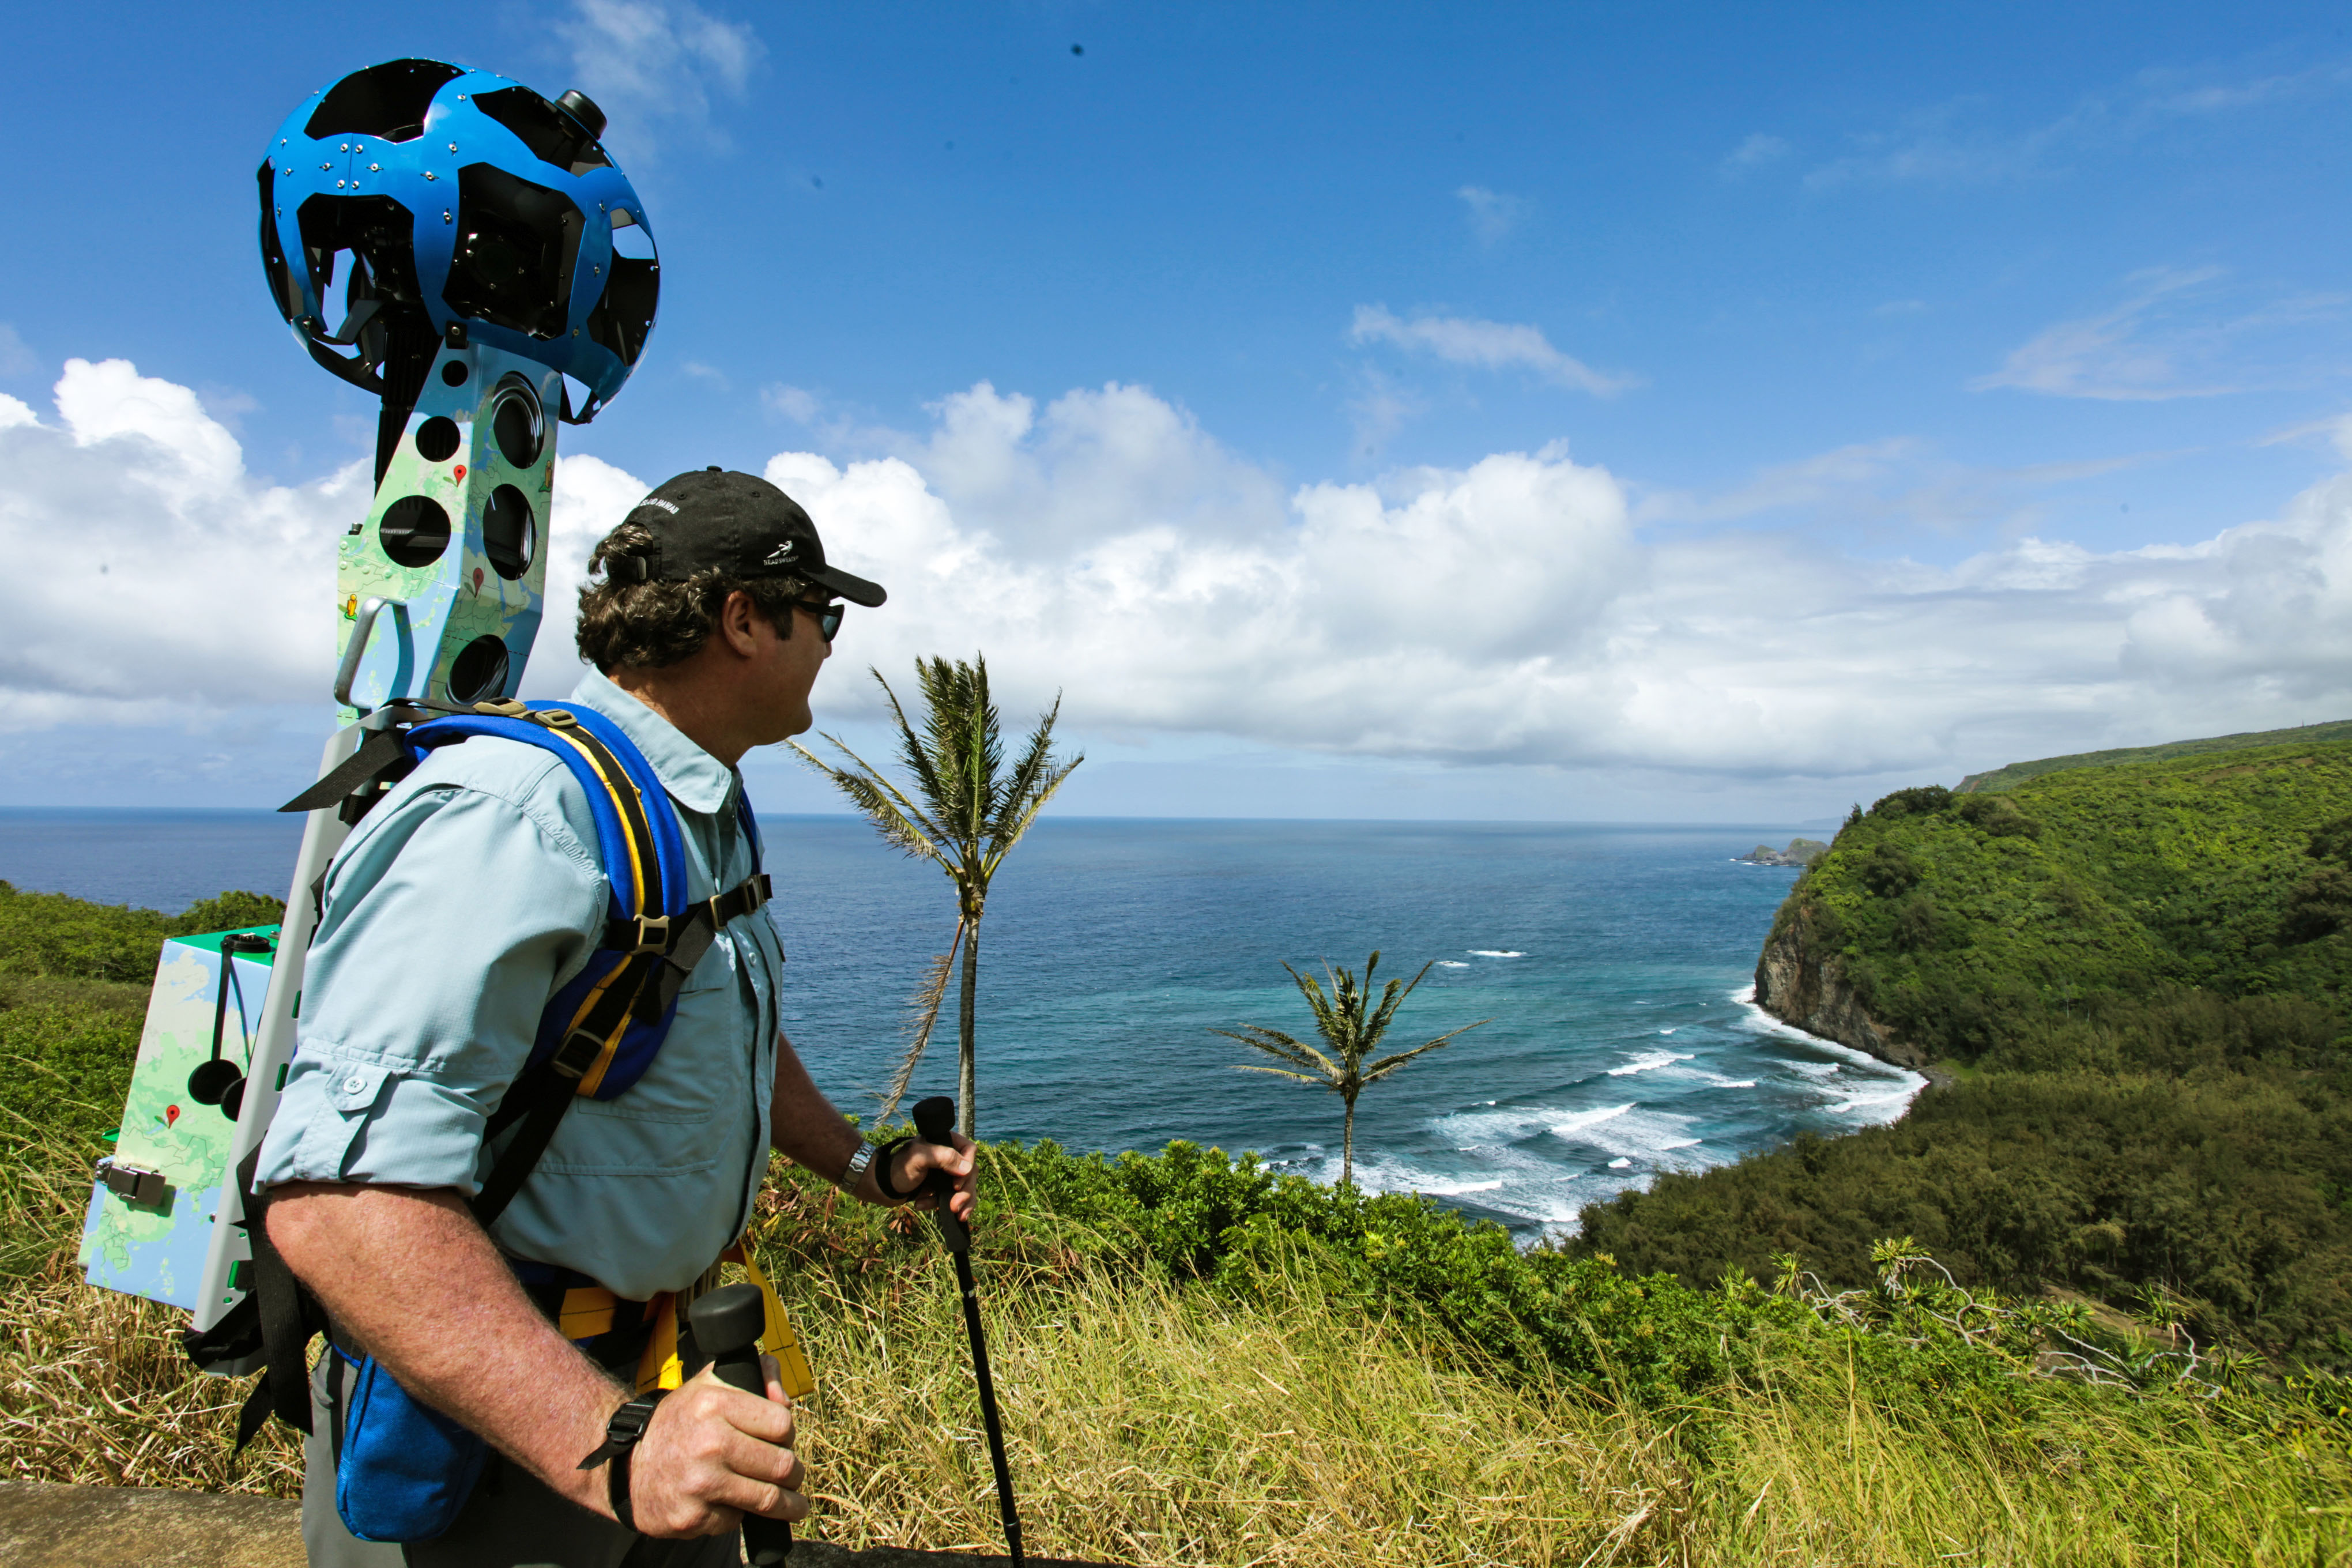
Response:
column 2016, row 774
column 2137, row 975
column 1204, row 1363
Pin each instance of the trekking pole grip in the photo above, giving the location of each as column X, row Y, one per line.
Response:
column 727, row 1324
column 935, row 1123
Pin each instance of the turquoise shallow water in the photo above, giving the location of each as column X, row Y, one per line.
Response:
column 1612, row 961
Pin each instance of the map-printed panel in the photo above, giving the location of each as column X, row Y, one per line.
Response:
column 157, row 1249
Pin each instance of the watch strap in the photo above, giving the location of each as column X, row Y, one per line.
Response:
column 856, row 1166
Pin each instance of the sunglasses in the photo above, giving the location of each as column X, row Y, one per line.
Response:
column 828, row 615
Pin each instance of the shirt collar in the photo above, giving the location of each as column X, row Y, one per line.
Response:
column 700, row 781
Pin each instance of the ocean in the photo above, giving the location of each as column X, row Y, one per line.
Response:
column 1612, row 965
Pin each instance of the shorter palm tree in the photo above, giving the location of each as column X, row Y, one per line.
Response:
column 1352, row 1028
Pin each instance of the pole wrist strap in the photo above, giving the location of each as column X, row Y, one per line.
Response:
column 621, row 1434
column 882, row 1159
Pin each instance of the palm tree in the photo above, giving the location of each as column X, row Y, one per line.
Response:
column 960, row 812
column 1341, row 1020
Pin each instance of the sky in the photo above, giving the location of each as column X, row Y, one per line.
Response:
column 1695, row 414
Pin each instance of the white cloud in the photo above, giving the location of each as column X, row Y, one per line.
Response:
column 2176, row 335
column 646, row 62
column 1755, row 152
column 1492, row 214
column 1489, row 346
column 1509, row 611
column 148, row 571
column 1092, row 466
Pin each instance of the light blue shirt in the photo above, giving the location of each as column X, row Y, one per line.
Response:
column 460, row 905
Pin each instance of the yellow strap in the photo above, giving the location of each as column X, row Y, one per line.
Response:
column 780, row 1340
column 659, row 1366
column 585, row 1314
column 636, row 866
column 594, row 1077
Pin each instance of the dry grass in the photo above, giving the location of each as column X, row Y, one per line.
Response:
column 1155, row 1424
column 1152, row 1425
column 93, row 1386
column 1155, row 1427
column 94, row 1389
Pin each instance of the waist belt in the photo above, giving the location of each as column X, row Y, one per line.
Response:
column 584, row 1311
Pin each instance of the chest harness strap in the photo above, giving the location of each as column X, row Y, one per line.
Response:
column 598, row 1035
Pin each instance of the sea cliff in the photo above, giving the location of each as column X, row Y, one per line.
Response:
column 1803, row 985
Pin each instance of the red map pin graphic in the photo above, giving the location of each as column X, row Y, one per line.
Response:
column 461, row 471
column 171, row 1115
column 478, row 579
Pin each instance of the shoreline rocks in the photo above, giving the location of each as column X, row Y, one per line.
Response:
column 1799, row 852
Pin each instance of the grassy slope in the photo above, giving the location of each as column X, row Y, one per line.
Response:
column 2135, row 960
column 1203, row 1363
column 2018, row 773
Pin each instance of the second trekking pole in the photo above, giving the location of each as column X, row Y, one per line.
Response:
column 934, row 1118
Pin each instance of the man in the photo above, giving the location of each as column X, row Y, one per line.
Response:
column 464, row 901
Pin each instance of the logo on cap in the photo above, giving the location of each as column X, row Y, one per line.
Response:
column 668, row 506
column 781, row 555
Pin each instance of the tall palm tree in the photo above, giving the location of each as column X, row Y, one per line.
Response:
column 960, row 812
column 1351, row 1032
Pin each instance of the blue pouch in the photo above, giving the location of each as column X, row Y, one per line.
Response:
column 404, row 1470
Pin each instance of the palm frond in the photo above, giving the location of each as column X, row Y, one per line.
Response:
column 1387, row 1065
column 1035, row 777
column 919, row 761
column 922, row 1017
column 1285, row 1072
column 1281, row 1047
column 1004, row 837
column 1329, row 1020
column 963, row 733
column 899, row 820
column 1391, row 1000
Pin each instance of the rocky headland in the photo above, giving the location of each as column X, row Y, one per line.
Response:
column 1799, row 852
column 1801, row 984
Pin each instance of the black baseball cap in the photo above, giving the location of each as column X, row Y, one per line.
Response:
column 739, row 523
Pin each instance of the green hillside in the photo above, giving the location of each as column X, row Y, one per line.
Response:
column 2018, row 773
column 1207, row 1362
column 2136, row 975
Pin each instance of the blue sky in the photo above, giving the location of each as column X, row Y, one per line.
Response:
column 1834, row 345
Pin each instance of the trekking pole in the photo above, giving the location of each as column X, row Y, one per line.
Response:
column 727, row 1324
column 934, row 1120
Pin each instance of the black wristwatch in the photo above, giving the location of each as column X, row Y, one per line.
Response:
column 621, row 1434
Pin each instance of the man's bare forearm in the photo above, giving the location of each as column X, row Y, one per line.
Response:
column 415, row 1281
column 806, row 1128
column 810, row 1133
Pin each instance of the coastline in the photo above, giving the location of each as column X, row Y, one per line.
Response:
column 1918, row 1079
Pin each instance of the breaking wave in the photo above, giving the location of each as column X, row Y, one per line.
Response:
column 1648, row 1061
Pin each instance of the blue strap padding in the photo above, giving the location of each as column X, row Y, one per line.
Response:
column 670, row 842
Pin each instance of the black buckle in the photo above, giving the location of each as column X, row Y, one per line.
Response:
column 577, row 1055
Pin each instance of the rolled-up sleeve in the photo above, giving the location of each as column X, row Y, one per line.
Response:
column 451, row 916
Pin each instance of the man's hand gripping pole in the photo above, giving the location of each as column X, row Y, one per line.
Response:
column 727, row 1324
